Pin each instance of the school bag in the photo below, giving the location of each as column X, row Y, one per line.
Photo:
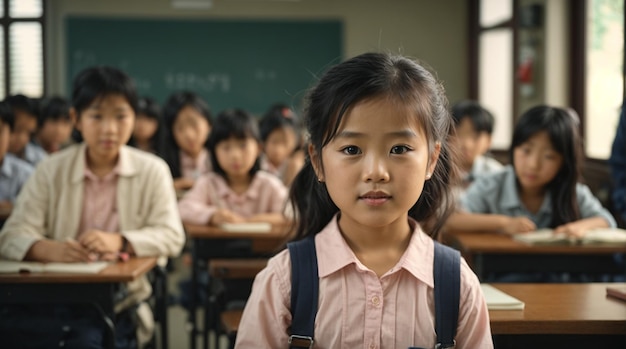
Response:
column 305, row 290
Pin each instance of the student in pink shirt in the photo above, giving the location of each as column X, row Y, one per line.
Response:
column 373, row 195
column 236, row 191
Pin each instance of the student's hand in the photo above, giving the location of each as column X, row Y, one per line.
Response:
column 223, row 215
column 571, row 229
column 183, row 183
column 5, row 208
column 519, row 225
column 101, row 242
column 69, row 251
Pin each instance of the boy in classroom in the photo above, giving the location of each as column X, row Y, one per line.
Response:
column 55, row 125
column 370, row 200
column 26, row 111
column 92, row 201
column 13, row 171
column 474, row 126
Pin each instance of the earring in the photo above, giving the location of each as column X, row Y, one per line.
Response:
column 428, row 175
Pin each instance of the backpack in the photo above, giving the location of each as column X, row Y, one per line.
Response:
column 305, row 290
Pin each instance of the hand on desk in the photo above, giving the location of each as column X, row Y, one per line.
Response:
column 519, row 225
column 70, row 251
column 101, row 242
column 223, row 215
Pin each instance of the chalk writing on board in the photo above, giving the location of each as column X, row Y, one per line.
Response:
column 209, row 82
column 265, row 74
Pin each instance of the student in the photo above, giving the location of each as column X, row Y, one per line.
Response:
column 147, row 131
column 474, row 126
column 54, row 126
column 13, row 171
column 280, row 139
column 378, row 168
column 26, row 111
column 89, row 202
column 236, row 191
column 188, row 122
column 541, row 188
column 617, row 162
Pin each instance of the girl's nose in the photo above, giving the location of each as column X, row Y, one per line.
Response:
column 375, row 169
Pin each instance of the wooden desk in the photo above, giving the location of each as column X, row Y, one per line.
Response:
column 560, row 316
column 260, row 243
column 96, row 289
column 493, row 252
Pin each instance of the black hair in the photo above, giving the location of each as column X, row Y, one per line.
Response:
column 56, row 108
column 6, row 114
column 169, row 149
column 150, row 108
column 561, row 125
column 25, row 104
column 278, row 116
column 481, row 118
column 233, row 123
column 99, row 81
column 363, row 77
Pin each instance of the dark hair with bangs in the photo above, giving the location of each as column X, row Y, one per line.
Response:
column 481, row 118
column 363, row 77
column 561, row 125
column 97, row 82
column 235, row 123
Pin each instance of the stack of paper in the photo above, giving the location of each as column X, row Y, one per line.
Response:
column 34, row 267
column 260, row 227
column 611, row 236
column 498, row 300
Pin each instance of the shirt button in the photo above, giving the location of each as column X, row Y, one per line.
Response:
column 375, row 301
column 372, row 346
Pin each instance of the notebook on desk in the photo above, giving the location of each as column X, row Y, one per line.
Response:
column 599, row 236
column 35, row 267
column 498, row 300
column 258, row 227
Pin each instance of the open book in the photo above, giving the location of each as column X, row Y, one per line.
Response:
column 498, row 300
column 260, row 227
column 35, row 267
column 617, row 292
column 599, row 236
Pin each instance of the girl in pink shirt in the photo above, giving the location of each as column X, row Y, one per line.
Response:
column 373, row 193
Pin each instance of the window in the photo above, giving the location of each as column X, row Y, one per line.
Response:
column 22, row 47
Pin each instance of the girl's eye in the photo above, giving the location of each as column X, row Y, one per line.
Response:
column 399, row 149
column 351, row 150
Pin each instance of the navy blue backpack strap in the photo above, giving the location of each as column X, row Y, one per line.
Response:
column 447, row 274
column 304, row 292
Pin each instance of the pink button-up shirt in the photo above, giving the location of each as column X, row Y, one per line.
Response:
column 99, row 202
column 357, row 309
column 194, row 168
column 266, row 194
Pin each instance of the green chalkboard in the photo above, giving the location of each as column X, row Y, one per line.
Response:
column 231, row 63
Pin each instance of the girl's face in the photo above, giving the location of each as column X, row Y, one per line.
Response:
column 375, row 166
column 236, row 156
column 54, row 133
column 191, row 130
column 145, row 127
column 25, row 126
column 536, row 162
column 280, row 144
column 106, row 125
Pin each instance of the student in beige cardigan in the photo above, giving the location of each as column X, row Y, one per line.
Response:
column 55, row 218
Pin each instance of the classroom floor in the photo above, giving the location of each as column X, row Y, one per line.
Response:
column 177, row 315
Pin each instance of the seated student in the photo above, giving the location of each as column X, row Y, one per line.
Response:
column 187, row 119
column 617, row 162
column 26, row 111
column 279, row 135
column 13, row 171
column 55, row 126
column 147, row 131
column 474, row 126
column 89, row 202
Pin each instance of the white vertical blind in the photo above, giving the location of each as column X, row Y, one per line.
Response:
column 26, row 58
column 493, row 12
column 495, row 88
column 1, row 8
column 25, row 8
column 3, row 93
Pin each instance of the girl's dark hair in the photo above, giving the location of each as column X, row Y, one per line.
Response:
column 561, row 125
column 97, row 82
column 363, row 77
column 6, row 114
column 150, row 108
column 233, row 123
column 481, row 118
column 30, row 106
column 278, row 116
column 56, row 108
column 169, row 149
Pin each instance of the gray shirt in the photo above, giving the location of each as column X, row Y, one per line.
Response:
column 34, row 153
column 13, row 174
column 497, row 194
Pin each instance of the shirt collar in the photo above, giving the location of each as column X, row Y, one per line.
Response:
column 335, row 254
column 510, row 197
column 124, row 168
column 7, row 169
column 224, row 190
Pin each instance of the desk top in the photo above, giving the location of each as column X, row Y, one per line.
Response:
column 116, row 272
column 561, row 309
column 212, row 232
column 476, row 242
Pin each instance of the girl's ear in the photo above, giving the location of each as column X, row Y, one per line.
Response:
column 434, row 157
column 316, row 162
column 74, row 118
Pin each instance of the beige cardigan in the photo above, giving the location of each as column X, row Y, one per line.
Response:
column 49, row 206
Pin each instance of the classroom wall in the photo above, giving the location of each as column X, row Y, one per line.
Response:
column 433, row 31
